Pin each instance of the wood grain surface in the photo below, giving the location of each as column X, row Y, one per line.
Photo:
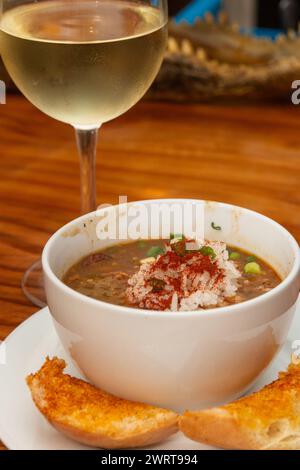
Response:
column 244, row 154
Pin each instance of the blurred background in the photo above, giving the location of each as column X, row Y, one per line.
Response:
column 208, row 62
column 274, row 15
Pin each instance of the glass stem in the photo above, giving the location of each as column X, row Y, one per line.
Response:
column 87, row 146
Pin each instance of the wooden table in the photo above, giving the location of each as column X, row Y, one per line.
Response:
column 246, row 155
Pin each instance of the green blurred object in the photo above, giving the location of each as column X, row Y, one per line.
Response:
column 252, row 268
column 234, row 256
column 155, row 251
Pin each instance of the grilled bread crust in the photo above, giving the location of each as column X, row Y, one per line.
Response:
column 93, row 417
column 265, row 420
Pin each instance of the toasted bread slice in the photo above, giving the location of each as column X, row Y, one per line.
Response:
column 266, row 420
column 93, row 417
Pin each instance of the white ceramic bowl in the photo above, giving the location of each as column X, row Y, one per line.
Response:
column 176, row 360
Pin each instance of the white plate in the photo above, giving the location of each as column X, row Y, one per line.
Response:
column 22, row 427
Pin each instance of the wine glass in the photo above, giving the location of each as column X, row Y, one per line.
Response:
column 83, row 62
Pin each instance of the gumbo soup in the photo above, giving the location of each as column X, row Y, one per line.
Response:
column 176, row 275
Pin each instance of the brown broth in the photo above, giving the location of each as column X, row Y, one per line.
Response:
column 104, row 275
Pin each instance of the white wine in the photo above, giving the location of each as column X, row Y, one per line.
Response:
column 83, row 63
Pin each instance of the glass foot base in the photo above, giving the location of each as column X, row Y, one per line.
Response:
column 33, row 285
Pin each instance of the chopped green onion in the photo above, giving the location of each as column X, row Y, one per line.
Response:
column 250, row 259
column 155, row 251
column 234, row 256
column 208, row 251
column 176, row 236
column 216, row 227
column 252, row 268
